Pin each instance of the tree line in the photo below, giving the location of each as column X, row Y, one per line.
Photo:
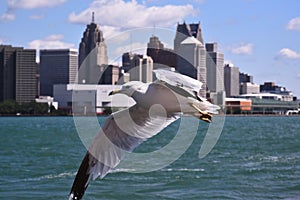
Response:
column 11, row 107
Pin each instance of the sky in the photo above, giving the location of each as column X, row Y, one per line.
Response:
column 261, row 37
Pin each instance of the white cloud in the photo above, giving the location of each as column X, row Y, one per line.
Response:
column 12, row 5
column 50, row 42
column 294, row 24
column 244, row 49
column 118, row 13
column 31, row 4
column 1, row 41
column 8, row 16
column 113, row 32
column 288, row 53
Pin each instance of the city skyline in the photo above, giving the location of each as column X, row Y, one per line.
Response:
column 261, row 38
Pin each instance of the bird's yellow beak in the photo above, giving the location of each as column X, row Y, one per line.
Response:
column 114, row 92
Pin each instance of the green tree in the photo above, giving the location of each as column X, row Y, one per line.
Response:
column 8, row 107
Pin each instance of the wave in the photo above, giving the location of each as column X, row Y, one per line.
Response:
column 119, row 170
column 51, row 176
column 183, row 170
column 273, row 159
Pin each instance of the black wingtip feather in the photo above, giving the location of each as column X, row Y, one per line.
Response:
column 81, row 180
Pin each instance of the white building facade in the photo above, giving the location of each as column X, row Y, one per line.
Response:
column 89, row 99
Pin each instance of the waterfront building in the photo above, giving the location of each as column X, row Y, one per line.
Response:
column 84, row 99
column 268, row 103
column 18, row 74
column 57, row 66
column 231, row 80
column 92, row 54
column 271, row 87
column 238, row 105
column 249, row 88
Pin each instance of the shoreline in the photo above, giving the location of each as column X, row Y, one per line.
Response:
column 105, row 115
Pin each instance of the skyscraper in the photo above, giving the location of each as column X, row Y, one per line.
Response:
column 146, row 69
column 215, row 68
column 215, row 73
column 187, row 30
column 190, row 51
column 244, row 78
column 231, row 80
column 18, row 74
column 92, row 54
column 139, row 67
column 162, row 57
column 130, row 60
column 191, row 57
column 110, row 75
column 57, row 66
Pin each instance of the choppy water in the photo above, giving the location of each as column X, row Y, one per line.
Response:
column 255, row 158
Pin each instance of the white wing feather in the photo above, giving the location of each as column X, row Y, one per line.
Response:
column 176, row 79
column 122, row 132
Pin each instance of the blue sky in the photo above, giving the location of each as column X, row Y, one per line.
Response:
column 261, row 37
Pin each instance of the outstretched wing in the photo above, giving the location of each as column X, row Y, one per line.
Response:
column 123, row 131
column 176, row 79
column 187, row 87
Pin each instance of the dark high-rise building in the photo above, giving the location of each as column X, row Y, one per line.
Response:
column 184, row 31
column 130, row 61
column 57, row 66
column 231, row 80
column 92, row 54
column 161, row 56
column 245, row 78
column 138, row 67
column 110, row 76
column 18, row 74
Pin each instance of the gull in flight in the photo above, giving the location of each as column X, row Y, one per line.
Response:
column 158, row 104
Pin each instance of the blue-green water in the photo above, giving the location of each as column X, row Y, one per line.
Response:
column 255, row 158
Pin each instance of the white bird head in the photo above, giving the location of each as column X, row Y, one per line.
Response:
column 130, row 87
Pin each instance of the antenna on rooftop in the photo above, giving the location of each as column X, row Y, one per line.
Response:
column 93, row 17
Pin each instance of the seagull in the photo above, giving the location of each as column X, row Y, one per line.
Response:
column 158, row 104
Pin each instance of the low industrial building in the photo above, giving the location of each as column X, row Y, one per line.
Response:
column 238, row 105
column 89, row 99
column 268, row 103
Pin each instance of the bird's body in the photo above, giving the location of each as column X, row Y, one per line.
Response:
column 158, row 104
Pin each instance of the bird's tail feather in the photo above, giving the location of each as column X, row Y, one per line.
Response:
column 82, row 179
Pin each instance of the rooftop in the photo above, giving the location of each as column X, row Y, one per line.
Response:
column 191, row 40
